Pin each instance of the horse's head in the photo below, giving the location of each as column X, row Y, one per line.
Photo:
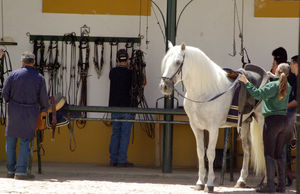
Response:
column 171, row 68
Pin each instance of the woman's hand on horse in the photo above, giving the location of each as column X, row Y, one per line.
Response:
column 271, row 75
column 243, row 78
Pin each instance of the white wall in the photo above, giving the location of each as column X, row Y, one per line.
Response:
column 207, row 24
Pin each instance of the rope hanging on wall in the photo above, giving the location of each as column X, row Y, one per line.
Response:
column 98, row 67
column 236, row 19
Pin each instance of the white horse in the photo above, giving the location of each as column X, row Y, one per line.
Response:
column 203, row 79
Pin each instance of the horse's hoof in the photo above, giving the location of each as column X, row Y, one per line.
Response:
column 240, row 185
column 209, row 189
column 199, row 187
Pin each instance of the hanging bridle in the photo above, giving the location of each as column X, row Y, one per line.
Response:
column 179, row 70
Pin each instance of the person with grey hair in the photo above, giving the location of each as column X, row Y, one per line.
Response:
column 27, row 58
column 25, row 92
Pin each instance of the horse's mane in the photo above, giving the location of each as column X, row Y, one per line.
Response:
column 167, row 55
column 212, row 75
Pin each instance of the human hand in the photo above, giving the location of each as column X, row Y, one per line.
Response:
column 270, row 74
column 243, row 78
column 2, row 53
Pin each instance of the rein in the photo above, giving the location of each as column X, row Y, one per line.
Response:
column 213, row 98
column 179, row 70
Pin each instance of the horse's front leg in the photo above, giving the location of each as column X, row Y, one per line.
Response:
column 211, row 152
column 245, row 137
column 199, row 136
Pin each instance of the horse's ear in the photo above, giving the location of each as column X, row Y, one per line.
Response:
column 170, row 45
column 182, row 47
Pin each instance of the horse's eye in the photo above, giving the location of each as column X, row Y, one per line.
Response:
column 178, row 62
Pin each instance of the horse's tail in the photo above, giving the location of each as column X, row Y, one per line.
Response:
column 257, row 148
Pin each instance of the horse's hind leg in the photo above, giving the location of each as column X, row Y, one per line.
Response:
column 199, row 135
column 244, row 134
column 213, row 137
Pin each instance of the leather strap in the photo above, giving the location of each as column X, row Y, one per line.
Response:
column 54, row 121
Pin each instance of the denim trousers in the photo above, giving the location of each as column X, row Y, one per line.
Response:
column 120, row 138
column 14, row 165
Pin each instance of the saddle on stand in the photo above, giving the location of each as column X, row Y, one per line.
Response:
column 55, row 116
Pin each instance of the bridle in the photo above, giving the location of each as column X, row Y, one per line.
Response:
column 179, row 71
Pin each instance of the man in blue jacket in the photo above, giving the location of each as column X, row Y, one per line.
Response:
column 26, row 95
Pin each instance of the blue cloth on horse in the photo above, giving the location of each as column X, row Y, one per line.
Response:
column 233, row 113
column 26, row 95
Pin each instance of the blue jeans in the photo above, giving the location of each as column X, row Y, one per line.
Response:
column 17, row 166
column 120, row 138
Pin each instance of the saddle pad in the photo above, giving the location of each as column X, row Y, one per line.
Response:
column 232, row 117
column 60, row 118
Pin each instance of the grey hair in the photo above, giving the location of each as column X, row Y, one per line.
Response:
column 28, row 58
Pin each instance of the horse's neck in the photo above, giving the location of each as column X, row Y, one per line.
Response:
column 202, row 82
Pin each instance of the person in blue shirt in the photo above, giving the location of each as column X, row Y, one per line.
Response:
column 25, row 92
column 120, row 96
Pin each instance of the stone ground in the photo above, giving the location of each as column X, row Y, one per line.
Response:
column 92, row 178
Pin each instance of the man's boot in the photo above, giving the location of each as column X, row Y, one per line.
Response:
column 270, row 186
column 281, row 176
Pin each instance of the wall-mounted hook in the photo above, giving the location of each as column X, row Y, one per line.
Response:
column 85, row 30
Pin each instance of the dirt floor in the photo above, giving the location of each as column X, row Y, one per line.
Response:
column 91, row 178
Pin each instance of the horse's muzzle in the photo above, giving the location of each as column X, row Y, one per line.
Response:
column 166, row 86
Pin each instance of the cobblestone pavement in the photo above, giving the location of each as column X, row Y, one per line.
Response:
column 91, row 178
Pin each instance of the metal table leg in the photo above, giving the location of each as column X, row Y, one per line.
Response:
column 226, row 131
column 38, row 145
column 231, row 154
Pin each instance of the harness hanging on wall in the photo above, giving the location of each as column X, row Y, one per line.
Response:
column 5, row 68
column 83, row 67
column 38, row 51
column 52, row 66
column 69, row 81
column 137, row 91
column 72, row 93
column 98, row 68
column 112, row 44
column 131, row 47
column 62, row 71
